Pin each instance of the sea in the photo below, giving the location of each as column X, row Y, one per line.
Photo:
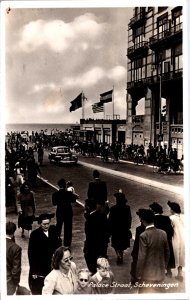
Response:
column 48, row 128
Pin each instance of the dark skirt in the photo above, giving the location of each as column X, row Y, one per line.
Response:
column 25, row 222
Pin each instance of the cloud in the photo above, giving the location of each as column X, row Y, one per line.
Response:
column 95, row 75
column 80, row 34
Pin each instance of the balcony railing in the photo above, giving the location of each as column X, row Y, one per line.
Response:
column 138, row 17
column 168, row 33
column 155, row 79
column 137, row 47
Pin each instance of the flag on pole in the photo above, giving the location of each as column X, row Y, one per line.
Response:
column 77, row 102
column 98, row 107
column 106, row 96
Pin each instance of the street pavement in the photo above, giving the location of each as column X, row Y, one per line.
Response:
column 43, row 192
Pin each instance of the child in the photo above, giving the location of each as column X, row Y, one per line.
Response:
column 83, row 286
column 70, row 188
column 102, row 281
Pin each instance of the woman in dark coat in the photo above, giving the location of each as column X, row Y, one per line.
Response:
column 25, row 207
column 119, row 226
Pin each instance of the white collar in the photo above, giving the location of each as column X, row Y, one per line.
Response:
column 150, row 226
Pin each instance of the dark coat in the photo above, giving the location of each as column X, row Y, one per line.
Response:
column 97, row 234
column 119, row 226
column 41, row 249
column 13, row 256
column 153, row 255
column 164, row 223
column 63, row 200
column 135, row 250
column 97, row 191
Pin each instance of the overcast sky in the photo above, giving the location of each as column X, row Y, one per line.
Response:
column 52, row 54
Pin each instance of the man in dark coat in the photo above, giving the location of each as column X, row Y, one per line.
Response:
column 164, row 223
column 13, row 256
column 153, row 254
column 97, row 237
column 63, row 199
column 97, row 191
column 119, row 225
column 43, row 242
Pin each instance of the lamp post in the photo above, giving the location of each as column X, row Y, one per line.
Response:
column 160, row 136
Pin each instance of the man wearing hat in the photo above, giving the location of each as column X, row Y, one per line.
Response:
column 153, row 253
column 42, row 244
column 97, row 191
column 164, row 223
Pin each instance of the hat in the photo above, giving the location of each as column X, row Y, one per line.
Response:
column 45, row 216
column 148, row 216
column 175, row 207
column 140, row 212
column 156, row 207
column 120, row 197
column 103, row 262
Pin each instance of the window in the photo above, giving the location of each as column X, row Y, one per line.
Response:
column 177, row 15
column 177, row 57
column 163, row 24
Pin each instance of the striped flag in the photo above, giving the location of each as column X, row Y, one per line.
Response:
column 106, row 96
column 77, row 102
column 98, row 107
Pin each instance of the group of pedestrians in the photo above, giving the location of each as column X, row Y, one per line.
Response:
column 158, row 246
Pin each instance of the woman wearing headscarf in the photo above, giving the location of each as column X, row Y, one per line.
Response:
column 178, row 240
column 119, row 225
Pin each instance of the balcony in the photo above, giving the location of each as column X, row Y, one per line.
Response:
column 166, row 37
column 138, row 119
column 138, row 19
column 176, row 131
column 140, row 49
column 135, row 84
column 165, row 77
column 148, row 81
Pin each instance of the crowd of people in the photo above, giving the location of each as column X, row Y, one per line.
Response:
column 158, row 246
column 165, row 158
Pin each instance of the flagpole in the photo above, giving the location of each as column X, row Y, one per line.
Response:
column 82, row 105
column 113, row 102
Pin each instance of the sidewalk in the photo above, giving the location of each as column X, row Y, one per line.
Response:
column 143, row 174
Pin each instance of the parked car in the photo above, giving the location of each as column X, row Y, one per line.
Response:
column 62, row 155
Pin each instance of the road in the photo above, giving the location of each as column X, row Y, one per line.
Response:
column 138, row 194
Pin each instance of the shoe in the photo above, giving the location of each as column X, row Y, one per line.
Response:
column 169, row 274
column 180, row 278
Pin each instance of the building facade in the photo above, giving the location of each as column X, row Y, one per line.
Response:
column 102, row 130
column 155, row 77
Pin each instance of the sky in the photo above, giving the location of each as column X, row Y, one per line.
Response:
column 53, row 54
